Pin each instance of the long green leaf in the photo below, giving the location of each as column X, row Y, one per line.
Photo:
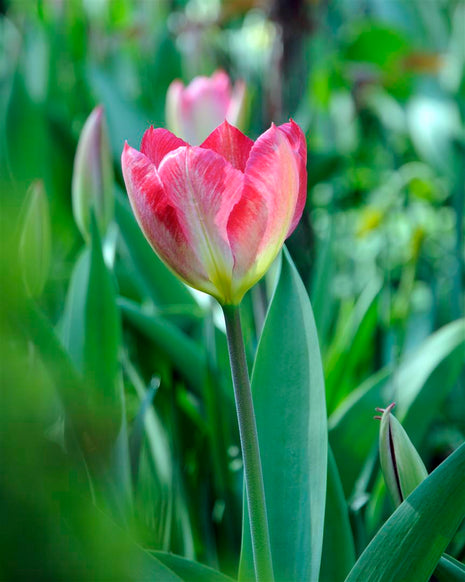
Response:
column 189, row 570
column 338, row 543
column 289, row 398
column 450, row 570
column 411, row 542
column 91, row 333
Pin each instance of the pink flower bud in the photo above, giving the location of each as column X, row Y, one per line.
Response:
column 218, row 214
column 93, row 175
column 193, row 112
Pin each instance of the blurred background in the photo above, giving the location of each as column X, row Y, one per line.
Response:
column 116, row 390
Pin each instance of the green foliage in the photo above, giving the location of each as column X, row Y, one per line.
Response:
column 410, row 543
column 103, row 479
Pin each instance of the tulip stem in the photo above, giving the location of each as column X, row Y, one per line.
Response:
column 253, row 475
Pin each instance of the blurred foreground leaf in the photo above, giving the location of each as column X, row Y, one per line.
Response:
column 188, row 570
column 91, row 333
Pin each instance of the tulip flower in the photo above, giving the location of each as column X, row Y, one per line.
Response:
column 92, row 185
column 194, row 111
column 218, row 214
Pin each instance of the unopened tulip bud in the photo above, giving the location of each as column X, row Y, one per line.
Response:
column 93, row 178
column 401, row 464
column 193, row 112
column 35, row 243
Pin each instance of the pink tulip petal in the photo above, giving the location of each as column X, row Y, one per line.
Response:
column 173, row 106
column 298, row 143
column 159, row 220
column 203, row 106
column 156, row 143
column 203, row 188
column 246, row 228
column 271, row 182
column 230, row 143
column 221, row 83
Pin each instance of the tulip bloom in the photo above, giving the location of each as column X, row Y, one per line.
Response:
column 194, row 111
column 218, row 214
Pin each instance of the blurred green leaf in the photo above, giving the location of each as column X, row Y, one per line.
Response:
column 35, row 244
column 449, row 570
column 126, row 122
column 410, row 544
column 91, row 333
column 137, row 433
column 289, row 400
column 188, row 570
column 153, row 491
column 187, row 357
column 374, row 42
column 351, row 343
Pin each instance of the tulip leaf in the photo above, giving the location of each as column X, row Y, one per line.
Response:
column 91, row 333
column 289, row 399
column 419, row 375
column 338, row 543
column 137, row 434
column 449, row 570
column 189, row 570
column 187, row 357
column 409, row 545
column 164, row 288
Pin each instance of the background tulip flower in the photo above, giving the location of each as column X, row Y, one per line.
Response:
column 194, row 111
column 218, row 214
column 93, row 178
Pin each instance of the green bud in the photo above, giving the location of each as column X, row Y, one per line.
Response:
column 35, row 240
column 401, row 464
column 93, row 177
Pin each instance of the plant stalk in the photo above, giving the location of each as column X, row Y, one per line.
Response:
column 253, row 475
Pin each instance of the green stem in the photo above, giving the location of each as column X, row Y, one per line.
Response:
column 250, row 450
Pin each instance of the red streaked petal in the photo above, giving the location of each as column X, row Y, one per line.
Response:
column 158, row 219
column 246, row 228
column 298, row 143
column 272, row 175
column 156, row 143
column 204, row 188
column 230, row 143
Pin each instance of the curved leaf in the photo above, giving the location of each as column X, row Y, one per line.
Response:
column 189, row 570
column 410, row 544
